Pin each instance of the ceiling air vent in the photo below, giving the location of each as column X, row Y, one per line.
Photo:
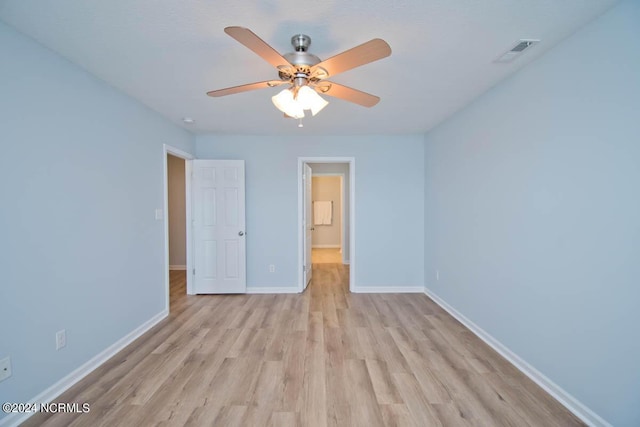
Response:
column 515, row 51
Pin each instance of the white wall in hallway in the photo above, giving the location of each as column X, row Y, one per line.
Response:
column 327, row 188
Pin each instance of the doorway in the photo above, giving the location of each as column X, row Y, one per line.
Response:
column 329, row 222
column 177, row 214
column 335, row 233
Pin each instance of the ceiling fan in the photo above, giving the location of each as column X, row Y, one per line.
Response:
column 305, row 74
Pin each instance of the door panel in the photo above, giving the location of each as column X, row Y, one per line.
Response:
column 308, row 224
column 219, row 226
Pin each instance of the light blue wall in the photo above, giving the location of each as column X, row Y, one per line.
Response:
column 533, row 214
column 389, row 203
column 80, row 177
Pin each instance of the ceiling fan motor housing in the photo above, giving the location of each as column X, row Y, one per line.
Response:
column 301, row 59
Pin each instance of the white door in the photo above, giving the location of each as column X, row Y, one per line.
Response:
column 308, row 224
column 219, row 227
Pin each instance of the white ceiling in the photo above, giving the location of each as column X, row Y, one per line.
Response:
column 168, row 53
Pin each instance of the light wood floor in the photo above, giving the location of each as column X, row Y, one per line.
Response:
column 323, row 358
column 326, row 256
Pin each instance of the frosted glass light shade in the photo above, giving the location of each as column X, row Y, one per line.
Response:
column 284, row 102
column 310, row 100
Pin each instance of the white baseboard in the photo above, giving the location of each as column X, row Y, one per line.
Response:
column 346, row 262
column 67, row 382
column 558, row 393
column 388, row 289
column 177, row 267
column 325, row 246
column 272, row 290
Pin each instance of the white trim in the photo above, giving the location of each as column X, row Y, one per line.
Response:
column 326, row 246
column 70, row 380
column 188, row 171
column 557, row 392
column 343, row 229
column 346, row 262
column 167, row 149
column 388, row 289
column 352, row 215
column 267, row 290
column 177, row 267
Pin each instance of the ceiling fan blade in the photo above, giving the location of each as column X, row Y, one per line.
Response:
column 347, row 93
column 256, row 44
column 245, row 88
column 370, row 51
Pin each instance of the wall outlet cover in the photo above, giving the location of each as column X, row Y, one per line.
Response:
column 61, row 339
column 5, row 368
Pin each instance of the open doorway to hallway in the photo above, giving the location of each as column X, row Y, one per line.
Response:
column 326, row 218
column 177, row 216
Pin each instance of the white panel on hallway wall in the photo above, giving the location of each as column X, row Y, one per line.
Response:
column 231, row 257
column 210, row 252
column 209, row 206
column 231, row 206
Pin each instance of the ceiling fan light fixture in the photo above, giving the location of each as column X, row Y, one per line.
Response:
column 310, row 100
column 284, row 102
column 306, row 73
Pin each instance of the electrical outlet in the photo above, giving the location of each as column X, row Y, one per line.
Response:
column 437, row 274
column 272, row 268
column 5, row 368
column 61, row 339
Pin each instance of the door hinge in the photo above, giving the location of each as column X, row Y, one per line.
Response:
column 304, row 268
column 194, row 271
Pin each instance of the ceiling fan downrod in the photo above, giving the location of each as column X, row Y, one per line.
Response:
column 301, row 42
column 301, row 58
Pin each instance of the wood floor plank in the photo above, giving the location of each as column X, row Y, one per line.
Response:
column 284, row 419
column 294, row 361
column 421, row 412
column 338, row 408
column 231, row 416
column 314, row 404
column 383, row 386
column 325, row 357
column 364, row 407
column 397, row 415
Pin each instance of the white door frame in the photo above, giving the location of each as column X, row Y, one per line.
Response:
column 167, row 149
column 352, row 215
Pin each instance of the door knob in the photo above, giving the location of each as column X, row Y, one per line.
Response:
column 241, row 233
